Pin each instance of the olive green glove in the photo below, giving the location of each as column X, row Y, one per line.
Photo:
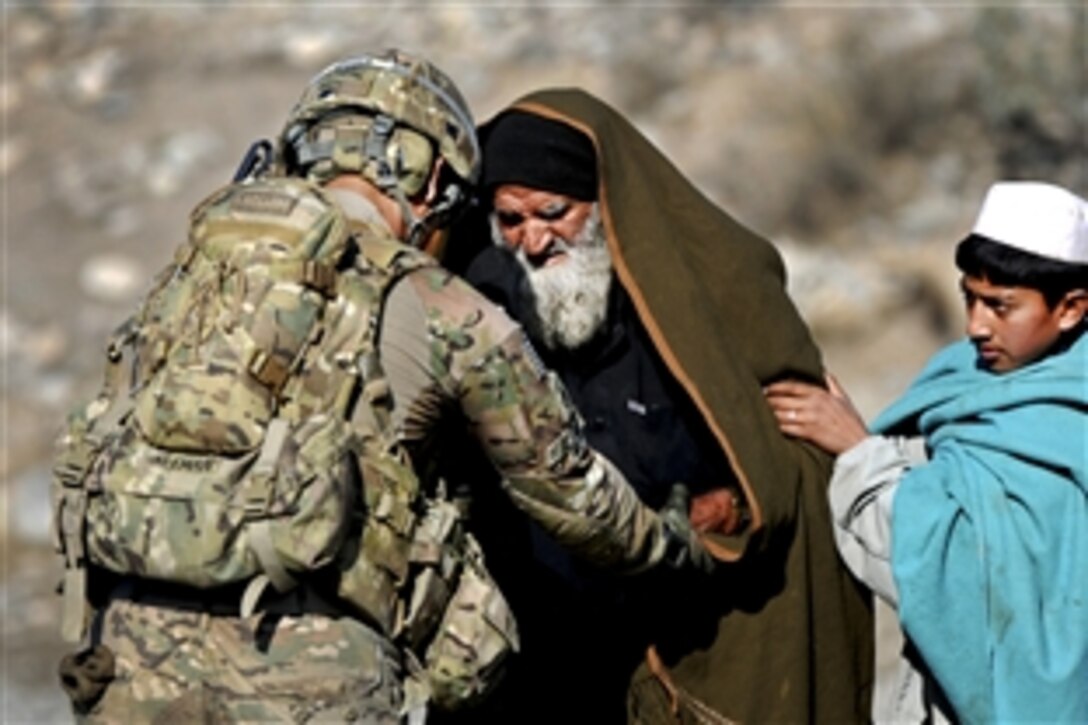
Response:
column 683, row 550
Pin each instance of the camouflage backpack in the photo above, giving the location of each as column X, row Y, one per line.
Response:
column 242, row 435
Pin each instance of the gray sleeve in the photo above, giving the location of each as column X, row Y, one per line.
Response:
column 862, row 488
column 405, row 352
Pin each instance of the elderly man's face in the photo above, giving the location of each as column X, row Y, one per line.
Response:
column 539, row 224
column 560, row 243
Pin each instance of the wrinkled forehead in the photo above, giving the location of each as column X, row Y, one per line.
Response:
column 528, row 199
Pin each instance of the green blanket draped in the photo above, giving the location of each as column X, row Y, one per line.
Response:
column 790, row 637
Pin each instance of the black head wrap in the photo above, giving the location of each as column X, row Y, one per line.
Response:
column 529, row 150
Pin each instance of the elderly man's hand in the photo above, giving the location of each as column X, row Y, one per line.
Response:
column 683, row 548
column 824, row 417
column 717, row 511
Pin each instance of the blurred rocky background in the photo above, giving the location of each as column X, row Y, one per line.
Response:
column 860, row 137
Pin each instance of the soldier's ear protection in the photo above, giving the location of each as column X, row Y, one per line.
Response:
column 410, row 157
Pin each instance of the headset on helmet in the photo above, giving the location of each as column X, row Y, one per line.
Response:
column 384, row 117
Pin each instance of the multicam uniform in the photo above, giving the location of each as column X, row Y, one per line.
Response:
column 447, row 352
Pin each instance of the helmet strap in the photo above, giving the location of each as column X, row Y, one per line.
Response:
column 441, row 214
column 375, row 151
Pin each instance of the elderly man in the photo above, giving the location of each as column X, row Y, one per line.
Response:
column 665, row 318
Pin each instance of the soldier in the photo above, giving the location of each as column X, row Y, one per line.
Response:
column 390, row 144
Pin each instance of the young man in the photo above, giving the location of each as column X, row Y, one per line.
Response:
column 663, row 316
column 981, row 539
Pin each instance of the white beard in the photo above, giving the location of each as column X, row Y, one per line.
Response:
column 568, row 300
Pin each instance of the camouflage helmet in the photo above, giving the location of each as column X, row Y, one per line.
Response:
column 394, row 88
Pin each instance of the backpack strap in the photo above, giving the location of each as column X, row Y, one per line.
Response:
column 376, row 391
column 379, row 264
column 78, row 451
column 375, row 579
column 71, row 522
column 258, row 497
column 382, row 262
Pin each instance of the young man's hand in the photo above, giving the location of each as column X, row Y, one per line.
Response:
column 824, row 417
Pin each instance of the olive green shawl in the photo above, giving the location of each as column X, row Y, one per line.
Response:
column 793, row 639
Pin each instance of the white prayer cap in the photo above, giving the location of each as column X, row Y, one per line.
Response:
column 1036, row 217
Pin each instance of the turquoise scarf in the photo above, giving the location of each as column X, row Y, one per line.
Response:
column 990, row 537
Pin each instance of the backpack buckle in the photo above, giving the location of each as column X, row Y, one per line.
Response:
column 268, row 370
column 259, row 490
column 257, row 499
column 319, row 277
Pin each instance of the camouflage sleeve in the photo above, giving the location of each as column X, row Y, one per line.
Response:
column 480, row 361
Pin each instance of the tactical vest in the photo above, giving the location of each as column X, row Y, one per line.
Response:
column 242, row 435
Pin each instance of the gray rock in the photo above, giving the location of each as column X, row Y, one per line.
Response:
column 31, row 512
column 172, row 163
column 111, row 277
column 13, row 150
column 312, row 48
column 842, row 295
column 92, row 80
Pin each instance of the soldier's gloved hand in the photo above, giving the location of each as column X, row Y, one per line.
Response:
column 683, row 550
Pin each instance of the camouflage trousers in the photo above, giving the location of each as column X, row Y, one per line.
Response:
column 194, row 667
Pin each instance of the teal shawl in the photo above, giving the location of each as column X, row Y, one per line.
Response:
column 990, row 537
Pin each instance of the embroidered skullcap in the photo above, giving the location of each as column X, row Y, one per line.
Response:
column 1036, row 217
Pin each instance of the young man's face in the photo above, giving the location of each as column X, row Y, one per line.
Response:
column 1013, row 326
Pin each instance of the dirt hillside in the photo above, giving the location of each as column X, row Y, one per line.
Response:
column 860, row 138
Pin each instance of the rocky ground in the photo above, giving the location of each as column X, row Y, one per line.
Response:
column 859, row 138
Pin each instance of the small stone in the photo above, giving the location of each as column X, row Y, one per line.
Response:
column 176, row 159
column 123, row 221
column 310, row 49
column 94, row 78
column 111, row 278
column 44, row 347
column 10, row 97
column 12, row 152
column 31, row 512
